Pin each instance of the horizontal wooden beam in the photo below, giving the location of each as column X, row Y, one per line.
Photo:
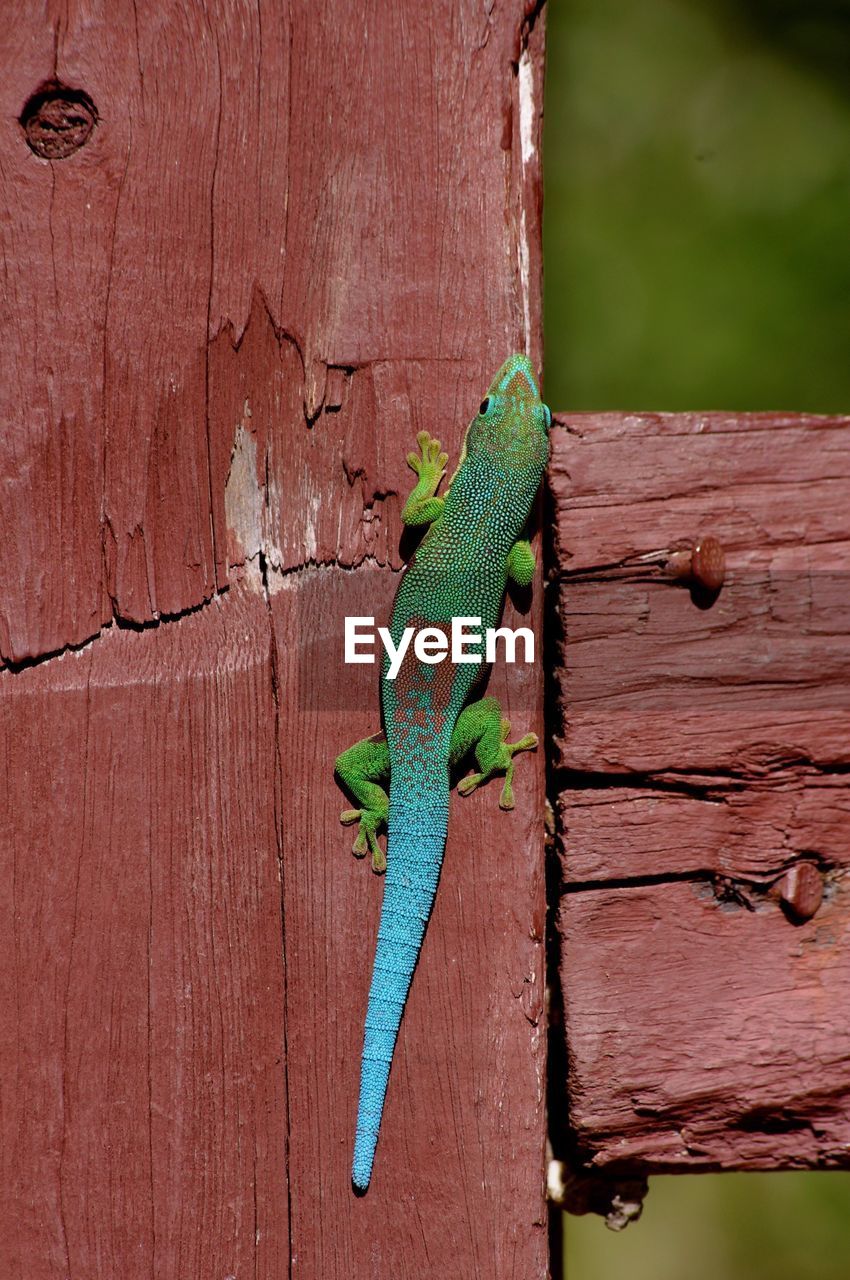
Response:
column 701, row 762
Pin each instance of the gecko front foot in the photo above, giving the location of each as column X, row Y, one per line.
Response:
column 422, row 507
column 430, row 463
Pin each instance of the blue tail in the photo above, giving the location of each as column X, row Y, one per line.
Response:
column 416, row 841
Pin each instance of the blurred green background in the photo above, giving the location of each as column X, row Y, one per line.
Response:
column 697, row 205
column 697, row 256
column 723, row 1226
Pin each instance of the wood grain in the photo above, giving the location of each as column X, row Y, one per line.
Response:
column 468, row 1077
column 222, row 193
column 142, row 989
column 296, row 236
column 701, row 754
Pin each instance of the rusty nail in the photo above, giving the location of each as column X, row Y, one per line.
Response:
column 801, row 890
column 703, row 565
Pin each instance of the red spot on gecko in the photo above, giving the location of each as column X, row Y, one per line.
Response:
column 423, row 690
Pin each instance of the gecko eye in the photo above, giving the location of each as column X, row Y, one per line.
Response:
column 484, row 406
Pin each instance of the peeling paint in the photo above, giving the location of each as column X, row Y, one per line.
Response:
column 311, row 525
column 527, row 109
column 252, row 510
column 244, row 499
column 527, row 117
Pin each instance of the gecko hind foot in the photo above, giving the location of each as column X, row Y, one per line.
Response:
column 366, row 841
column 498, row 762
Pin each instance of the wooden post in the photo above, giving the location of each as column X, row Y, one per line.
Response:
column 248, row 252
column 704, row 805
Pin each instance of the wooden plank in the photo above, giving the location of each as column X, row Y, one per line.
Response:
column 108, row 255
column 706, row 1035
column 701, row 757
column 142, row 1087
column 724, row 827
column 758, row 681
column 282, row 252
column 468, row 1078
column 204, row 200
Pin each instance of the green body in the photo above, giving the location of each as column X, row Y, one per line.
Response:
column 474, row 543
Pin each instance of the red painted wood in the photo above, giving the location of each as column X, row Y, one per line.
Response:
column 462, row 1130
column 142, row 1081
column 702, row 755
column 703, row 1035
column 297, row 236
column 368, row 220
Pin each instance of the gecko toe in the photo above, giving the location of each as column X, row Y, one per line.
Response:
column 366, row 840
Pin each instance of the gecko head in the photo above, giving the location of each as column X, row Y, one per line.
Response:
column 512, row 423
column 516, row 379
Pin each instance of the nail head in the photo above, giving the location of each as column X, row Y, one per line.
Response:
column 708, row 564
column 802, row 889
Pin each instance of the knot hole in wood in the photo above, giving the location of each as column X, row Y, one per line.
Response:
column 57, row 121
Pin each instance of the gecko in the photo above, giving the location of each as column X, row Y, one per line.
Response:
column 476, row 539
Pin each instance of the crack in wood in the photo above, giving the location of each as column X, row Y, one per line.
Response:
column 116, row 623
